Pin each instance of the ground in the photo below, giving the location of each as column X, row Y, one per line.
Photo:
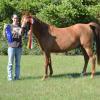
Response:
column 66, row 83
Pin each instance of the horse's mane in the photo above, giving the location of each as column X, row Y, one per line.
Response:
column 40, row 21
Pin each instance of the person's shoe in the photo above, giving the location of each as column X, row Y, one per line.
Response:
column 9, row 79
column 16, row 78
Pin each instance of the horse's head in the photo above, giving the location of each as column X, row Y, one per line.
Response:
column 30, row 22
column 27, row 19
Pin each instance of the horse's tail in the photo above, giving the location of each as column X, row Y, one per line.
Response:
column 96, row 29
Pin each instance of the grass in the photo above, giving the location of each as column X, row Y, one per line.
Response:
column 66, row 83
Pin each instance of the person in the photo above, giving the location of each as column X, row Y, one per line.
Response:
column 14, row 48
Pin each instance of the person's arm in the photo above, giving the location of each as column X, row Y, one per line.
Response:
column 23, row 26
column 22, row 31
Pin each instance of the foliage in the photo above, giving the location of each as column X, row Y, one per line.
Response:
column 60, row 13
column 68, row 12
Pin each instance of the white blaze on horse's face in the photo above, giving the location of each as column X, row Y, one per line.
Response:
column 23, row 21
column 26, row 20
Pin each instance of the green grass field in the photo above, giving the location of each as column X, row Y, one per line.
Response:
column 66, row 83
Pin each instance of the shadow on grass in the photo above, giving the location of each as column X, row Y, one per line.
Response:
column 73, row 75
column 68, row 75
column 30, row 77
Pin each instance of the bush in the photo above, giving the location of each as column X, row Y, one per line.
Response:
column 60, row 13
column 3, row 47
column 68, row 12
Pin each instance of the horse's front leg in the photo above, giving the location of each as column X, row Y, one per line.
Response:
column 46, row 66
column 50, row 67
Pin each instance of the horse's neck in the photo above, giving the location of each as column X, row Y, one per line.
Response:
column 40, row 31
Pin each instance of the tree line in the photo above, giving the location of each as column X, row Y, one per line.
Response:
column 61, row 13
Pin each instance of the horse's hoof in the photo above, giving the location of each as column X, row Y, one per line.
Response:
column 83, row 74
column 92, row 76
column 50, row 75
column 44, row 78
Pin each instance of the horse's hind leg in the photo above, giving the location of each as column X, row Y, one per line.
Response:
column 92, row 58
column 86, row 59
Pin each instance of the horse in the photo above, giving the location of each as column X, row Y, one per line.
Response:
column 58, row 40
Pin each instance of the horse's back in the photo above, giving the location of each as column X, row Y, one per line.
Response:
column 70, row 37
column 65, row 38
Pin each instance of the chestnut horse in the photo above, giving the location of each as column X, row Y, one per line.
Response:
column 53, row 39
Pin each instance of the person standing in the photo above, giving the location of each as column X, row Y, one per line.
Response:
column 14, row 48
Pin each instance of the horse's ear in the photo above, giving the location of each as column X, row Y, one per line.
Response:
column 25, row 12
